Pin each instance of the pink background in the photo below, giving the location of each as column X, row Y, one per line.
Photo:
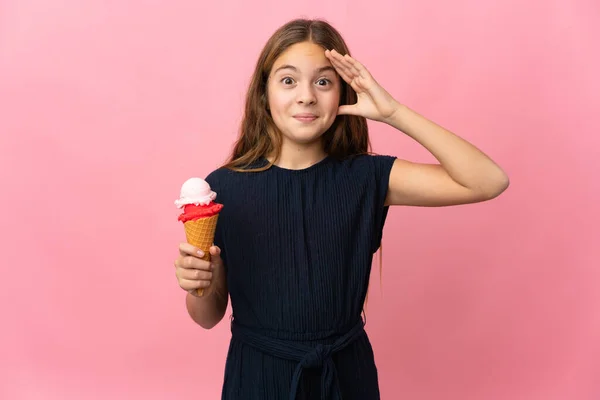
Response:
column 106, row 107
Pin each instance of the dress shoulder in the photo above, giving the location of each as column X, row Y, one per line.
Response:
column 217, row 177
column 379, row 168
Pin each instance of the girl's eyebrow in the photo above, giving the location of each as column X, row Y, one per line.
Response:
column 318, row 70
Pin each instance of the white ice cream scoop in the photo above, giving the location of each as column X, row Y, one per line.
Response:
column 195, row 191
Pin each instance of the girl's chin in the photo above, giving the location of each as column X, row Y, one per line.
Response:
column 304, row 135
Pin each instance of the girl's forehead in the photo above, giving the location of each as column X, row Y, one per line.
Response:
column 304, row 56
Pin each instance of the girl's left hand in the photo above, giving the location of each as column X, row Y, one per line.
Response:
column 374, row 102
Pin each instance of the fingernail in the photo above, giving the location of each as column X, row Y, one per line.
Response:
column 200, row 253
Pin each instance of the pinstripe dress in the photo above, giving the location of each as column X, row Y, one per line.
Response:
column 298, row 247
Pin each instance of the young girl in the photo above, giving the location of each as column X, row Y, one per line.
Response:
column 305, row 203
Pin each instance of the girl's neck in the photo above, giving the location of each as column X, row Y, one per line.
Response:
column 299, row 157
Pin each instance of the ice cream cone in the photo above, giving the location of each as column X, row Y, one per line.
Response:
column 201, row 234
column 200, row 215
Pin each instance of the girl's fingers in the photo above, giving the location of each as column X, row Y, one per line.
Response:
column 189, row 262
column 351, row 68
column 354, row 63
column 341, row 69
column 186, row 249
column 346, row 61
column 187, row 284
column 351, row 65
column 194, row 274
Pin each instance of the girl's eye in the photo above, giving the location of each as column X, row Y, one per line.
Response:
column 321, row 82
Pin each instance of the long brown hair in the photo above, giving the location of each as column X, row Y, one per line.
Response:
column 258, row 134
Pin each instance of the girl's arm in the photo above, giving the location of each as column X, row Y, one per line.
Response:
column 464, row 175
column 208, row 310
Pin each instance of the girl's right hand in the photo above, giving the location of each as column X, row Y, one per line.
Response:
column 194, row 273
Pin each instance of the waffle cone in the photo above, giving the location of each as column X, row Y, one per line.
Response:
column 201, row 234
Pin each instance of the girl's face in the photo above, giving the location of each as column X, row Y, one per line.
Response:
column 303, row 93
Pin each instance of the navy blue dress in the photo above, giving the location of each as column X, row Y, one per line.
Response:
column 298, row 247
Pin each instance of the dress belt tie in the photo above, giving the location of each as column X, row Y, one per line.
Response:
column 306, row 356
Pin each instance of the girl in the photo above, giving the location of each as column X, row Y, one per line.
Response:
column 304, row 208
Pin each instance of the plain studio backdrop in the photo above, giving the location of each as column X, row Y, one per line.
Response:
column 106, row 107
